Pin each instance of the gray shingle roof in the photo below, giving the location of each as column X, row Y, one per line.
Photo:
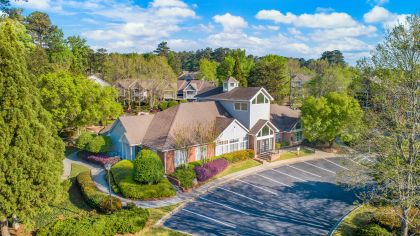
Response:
column 237, row 94
column 283, row 117
column 230, row 79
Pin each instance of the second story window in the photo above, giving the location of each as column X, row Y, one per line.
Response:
column 260, row 99
column 241, row 106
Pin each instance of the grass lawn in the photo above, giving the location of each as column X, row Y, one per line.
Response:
column 235, row 167
column 293, row 154
column 76, row 169
column 155, row 215
column 356, row 219
column 69, row 150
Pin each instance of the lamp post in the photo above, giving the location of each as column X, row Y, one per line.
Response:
column 108, row 168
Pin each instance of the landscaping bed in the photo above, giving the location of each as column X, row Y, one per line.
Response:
column 100, row 159
column 123, row 176
column 289, row 154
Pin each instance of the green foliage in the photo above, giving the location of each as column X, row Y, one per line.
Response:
column 172, row 103
column 237, row 156
column 238, row 74
column 208, row 70
column 93, row 196
column 81, row 53
column 39, row 26
column 271, row 73
column 120, row 222
column 31, row 153
column 99, row 144
column 333, row 116
column 185, row 174
column 373, row 230
column 148, row 167
column 123, row 173
column 163, row 105
column 225, row 68
column 334, row 57
column 83, row 140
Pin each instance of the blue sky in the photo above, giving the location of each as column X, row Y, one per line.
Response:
column 293, row 28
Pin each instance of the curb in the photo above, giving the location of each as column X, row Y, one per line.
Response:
column 334, row 228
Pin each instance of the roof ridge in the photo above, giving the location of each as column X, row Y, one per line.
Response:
column 172, row 123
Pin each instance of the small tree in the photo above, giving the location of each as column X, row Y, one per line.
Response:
column 83, row 140
column 148, row 167
column 99, row 144
column 336, row 115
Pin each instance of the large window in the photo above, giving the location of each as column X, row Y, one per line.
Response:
column 232, row 145
column 265, row 131
column 180, row 157
column 241, row 106
column 201, row 153
column 260, row 99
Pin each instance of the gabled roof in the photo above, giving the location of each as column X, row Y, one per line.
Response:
column 198, row 85
column 162, row 130
column 145, row 83
column 230, row 79
column 260, row 124
column 283, row 117
column 238, row 94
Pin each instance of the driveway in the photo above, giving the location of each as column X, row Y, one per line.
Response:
column 296, row 199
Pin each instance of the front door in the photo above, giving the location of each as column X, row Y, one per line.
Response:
column 264, row 145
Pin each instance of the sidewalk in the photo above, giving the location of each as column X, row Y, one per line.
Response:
column 99, row 177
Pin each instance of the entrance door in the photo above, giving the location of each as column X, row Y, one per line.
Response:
column 264, row 145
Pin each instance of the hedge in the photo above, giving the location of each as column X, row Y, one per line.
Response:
column 83, row 140
column 120, row 222
column 148, row 167
column 237, row 156
column 123, row 172
column 210, row 169
column 93, row 196
column 185, row 174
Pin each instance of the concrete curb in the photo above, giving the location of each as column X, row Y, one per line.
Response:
column 336, row 225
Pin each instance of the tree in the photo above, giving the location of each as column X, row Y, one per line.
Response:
column 238, row 74
column 394, row 71
column 148, row 167
column 99, row 144
column 334, row 57
column 162, row 49
column 333, row 116
column 31, row 153
column 208, row 70
column 83, row 140
column 39, row 27
column 271, row 73
column 225, row 68
column 81, row 53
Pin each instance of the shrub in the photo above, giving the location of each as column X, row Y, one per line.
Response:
column 102, row 159
column 148, row 167
column 373, row 230
column 163, row 105
column 237, row 156
column 99, row 144
column 285, row 143
column 122, row 173
column 91, row 193
column 183, row 101
column 387, row 218
column 106, row 205
column 172, row 103
column 210, row 169
column 83, row 140
column 120, row 222
column 194, row 164
column 185, row 174
column 278, row 145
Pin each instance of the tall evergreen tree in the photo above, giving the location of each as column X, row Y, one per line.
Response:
column 31, row 153
column 238, row 74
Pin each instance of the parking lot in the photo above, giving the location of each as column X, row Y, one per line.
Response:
column 297, row 199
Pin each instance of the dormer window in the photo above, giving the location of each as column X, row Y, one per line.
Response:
column 225, row 86
column 232, row 84
column 260, row 99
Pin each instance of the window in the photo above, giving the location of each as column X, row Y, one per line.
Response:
column 225, row 86
column 232, row 84
column 201, row 153
column 260, row 99
column 231, row 145
column 180, row 157
column 241, row 106
column 265, row 131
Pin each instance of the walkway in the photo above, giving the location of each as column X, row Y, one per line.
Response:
column 99, row 176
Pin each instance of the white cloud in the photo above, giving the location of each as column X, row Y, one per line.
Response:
column 294, row 31
column 38, row 5
column 317, row 20
column 378, row 2
column 324, row 9
column 168, row 3
column 347, row 44
column 381, row 15
column 265, row 27
column 337, row 33
column 230, row 23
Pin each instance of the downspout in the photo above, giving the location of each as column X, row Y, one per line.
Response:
column 164, row 160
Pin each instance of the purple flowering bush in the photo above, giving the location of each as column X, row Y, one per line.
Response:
column 103, row 159
column 210, row 169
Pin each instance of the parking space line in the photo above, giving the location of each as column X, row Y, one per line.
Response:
column 304, row 180
column 256, row 186
column 238, row 194
column 318, row 167
column 206, row 217
column 336, row 164
column 305, row 171
column 233, row 209
column 275, row 181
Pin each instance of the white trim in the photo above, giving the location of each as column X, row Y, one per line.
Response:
column 239, row 123
column 266, row 94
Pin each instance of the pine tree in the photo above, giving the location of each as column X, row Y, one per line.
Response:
column 31, row 153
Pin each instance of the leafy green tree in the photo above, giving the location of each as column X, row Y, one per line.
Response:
column 271, row 73
column 99, row 144
column 31, row 153
column 208, row 70
column 245, row 62
column 83, row 140
column 60, row 55
column 97, row 61
column 334, row 57
column 238, row 74
column 81, row 53
column 175, row 62
column 39, row 27
column 225, row 68
column 148, row 167
column 333, row 116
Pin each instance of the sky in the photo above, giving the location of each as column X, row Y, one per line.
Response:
column 292, row 28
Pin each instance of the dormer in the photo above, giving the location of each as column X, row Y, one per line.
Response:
column 229, row 84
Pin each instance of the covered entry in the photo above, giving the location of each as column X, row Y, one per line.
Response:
column 264, row 133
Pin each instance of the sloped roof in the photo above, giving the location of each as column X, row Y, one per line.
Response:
column 145, row 83
column 283, row 117
column 198, row 85
column 301, row 77
column 237, row 94
column 188, row 75
column 161, row 132
column 259, row 125
column 230, row 79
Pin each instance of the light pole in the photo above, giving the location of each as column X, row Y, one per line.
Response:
column 108, row 168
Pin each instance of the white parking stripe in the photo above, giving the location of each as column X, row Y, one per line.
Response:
column 233, row 209
column 304, row 180
column 318, row 167
column 305, row 171
column 241, row 195
column 336, row 164
column 217, row 221
column 275, row 181
column 256, row 186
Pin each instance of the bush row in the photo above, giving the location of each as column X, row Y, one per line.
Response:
column 94, row 143
column 120, row 222
column 123, row 175
column 186, row 175
column 93, row 196
column 237, row 156
column 210, row 169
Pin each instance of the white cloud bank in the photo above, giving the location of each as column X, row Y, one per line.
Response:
column 381, row 15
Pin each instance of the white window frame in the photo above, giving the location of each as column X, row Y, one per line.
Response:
column 201, row 153
column 180, row 157
column 242, row 106
column 226, row 146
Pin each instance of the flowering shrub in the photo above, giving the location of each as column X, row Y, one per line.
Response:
column 103, row 159
column 237, row 156
column 210, row 169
